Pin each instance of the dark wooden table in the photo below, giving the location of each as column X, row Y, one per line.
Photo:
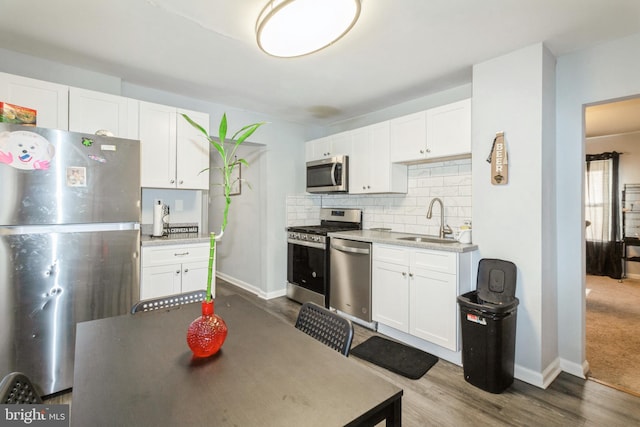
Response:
column 137, row 370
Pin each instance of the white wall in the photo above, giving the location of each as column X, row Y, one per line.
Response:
column 603, row 72
column 516, row 222
column 237, row 261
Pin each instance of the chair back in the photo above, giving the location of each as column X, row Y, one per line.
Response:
column 326, row 326
column 17, row 388
column 169, row 301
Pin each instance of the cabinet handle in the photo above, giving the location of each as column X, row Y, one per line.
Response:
column 404, row 274
column 181, row 254
column 428, row 150
column 186, row 270
column 411, row 275
column 172, row 181
column 177, row 271
column 181, row 182
column 421, row 151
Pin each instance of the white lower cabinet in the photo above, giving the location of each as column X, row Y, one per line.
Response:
column 174, row 269
column 414, row 291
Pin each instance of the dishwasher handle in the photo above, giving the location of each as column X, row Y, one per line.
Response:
column 350, row 249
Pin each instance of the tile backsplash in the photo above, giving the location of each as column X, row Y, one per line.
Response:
column 450, row 181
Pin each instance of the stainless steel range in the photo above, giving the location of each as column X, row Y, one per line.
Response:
column 308, row 267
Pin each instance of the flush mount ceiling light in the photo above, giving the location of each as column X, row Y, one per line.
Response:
column 289, row 28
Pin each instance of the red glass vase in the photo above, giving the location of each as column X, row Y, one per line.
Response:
column 207, row 333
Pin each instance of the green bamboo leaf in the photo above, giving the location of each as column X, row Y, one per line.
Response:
column 222, row 131
column 248, row 131
column 196, row 125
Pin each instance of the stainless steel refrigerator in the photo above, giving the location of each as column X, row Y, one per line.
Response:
column 69, row 244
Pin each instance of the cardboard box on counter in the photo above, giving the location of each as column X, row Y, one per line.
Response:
column 10, row 113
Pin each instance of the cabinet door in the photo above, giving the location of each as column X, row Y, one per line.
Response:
column 192, row 152
column 194, row 276
column 432, row 307
column 360, row 162
column 317, row 149
column 409, row 137
column 449, row 129
column 50, row 100
column 160, row 281
column 341, row 144
column 390, row 295
column 158, row 145
column 91, row 111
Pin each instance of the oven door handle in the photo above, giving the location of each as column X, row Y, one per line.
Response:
column 349, row 249
column 307, row 244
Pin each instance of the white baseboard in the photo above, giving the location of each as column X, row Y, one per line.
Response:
column 251, row 288
column 579, row 370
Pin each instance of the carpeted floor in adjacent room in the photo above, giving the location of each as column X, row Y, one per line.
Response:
column 613, row 332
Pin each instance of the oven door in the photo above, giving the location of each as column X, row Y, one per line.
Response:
column 307, row 266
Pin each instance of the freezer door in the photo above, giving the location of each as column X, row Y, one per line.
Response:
column 50, row 282
column 50, row 176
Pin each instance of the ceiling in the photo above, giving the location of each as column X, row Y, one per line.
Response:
column 397, row 51
column 613, row 118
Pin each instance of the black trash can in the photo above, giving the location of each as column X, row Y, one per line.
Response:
column 488, row 322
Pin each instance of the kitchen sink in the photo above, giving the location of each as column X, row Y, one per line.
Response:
column 427, row 239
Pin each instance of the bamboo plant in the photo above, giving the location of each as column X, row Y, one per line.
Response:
column 229, row 162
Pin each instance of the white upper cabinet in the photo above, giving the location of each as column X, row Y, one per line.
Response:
column 449, row 129
column 50, row 100
column 317, row 149
column 328, row 146
column 341, row 144
column 436, row 133
column 192, row 156
column 91, row 111
column 173, row 152
column 370, row 170
column 409, row 137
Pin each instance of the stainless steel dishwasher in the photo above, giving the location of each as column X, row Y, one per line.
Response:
column 350, row 278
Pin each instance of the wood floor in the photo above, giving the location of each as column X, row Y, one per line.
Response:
column 443, row 398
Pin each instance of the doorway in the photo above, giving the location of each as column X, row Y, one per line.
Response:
column 613, row 298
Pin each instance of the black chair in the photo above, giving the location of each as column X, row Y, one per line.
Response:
column 169, row 301
column 17, row 388
column 325, row 326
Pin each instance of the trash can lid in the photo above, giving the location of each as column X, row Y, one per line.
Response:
column 496, row 281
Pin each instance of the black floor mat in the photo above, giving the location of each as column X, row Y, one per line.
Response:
column 399, row 358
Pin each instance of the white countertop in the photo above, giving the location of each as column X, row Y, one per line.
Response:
column 392, row 238
column 174, row 239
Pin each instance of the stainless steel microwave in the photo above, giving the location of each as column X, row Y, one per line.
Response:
column 330, row 175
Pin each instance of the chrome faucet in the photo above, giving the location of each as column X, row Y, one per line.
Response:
column 444, row 229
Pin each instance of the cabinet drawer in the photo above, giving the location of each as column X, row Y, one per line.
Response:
column 174, row 254
column 444, row 262
column 392, row 254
